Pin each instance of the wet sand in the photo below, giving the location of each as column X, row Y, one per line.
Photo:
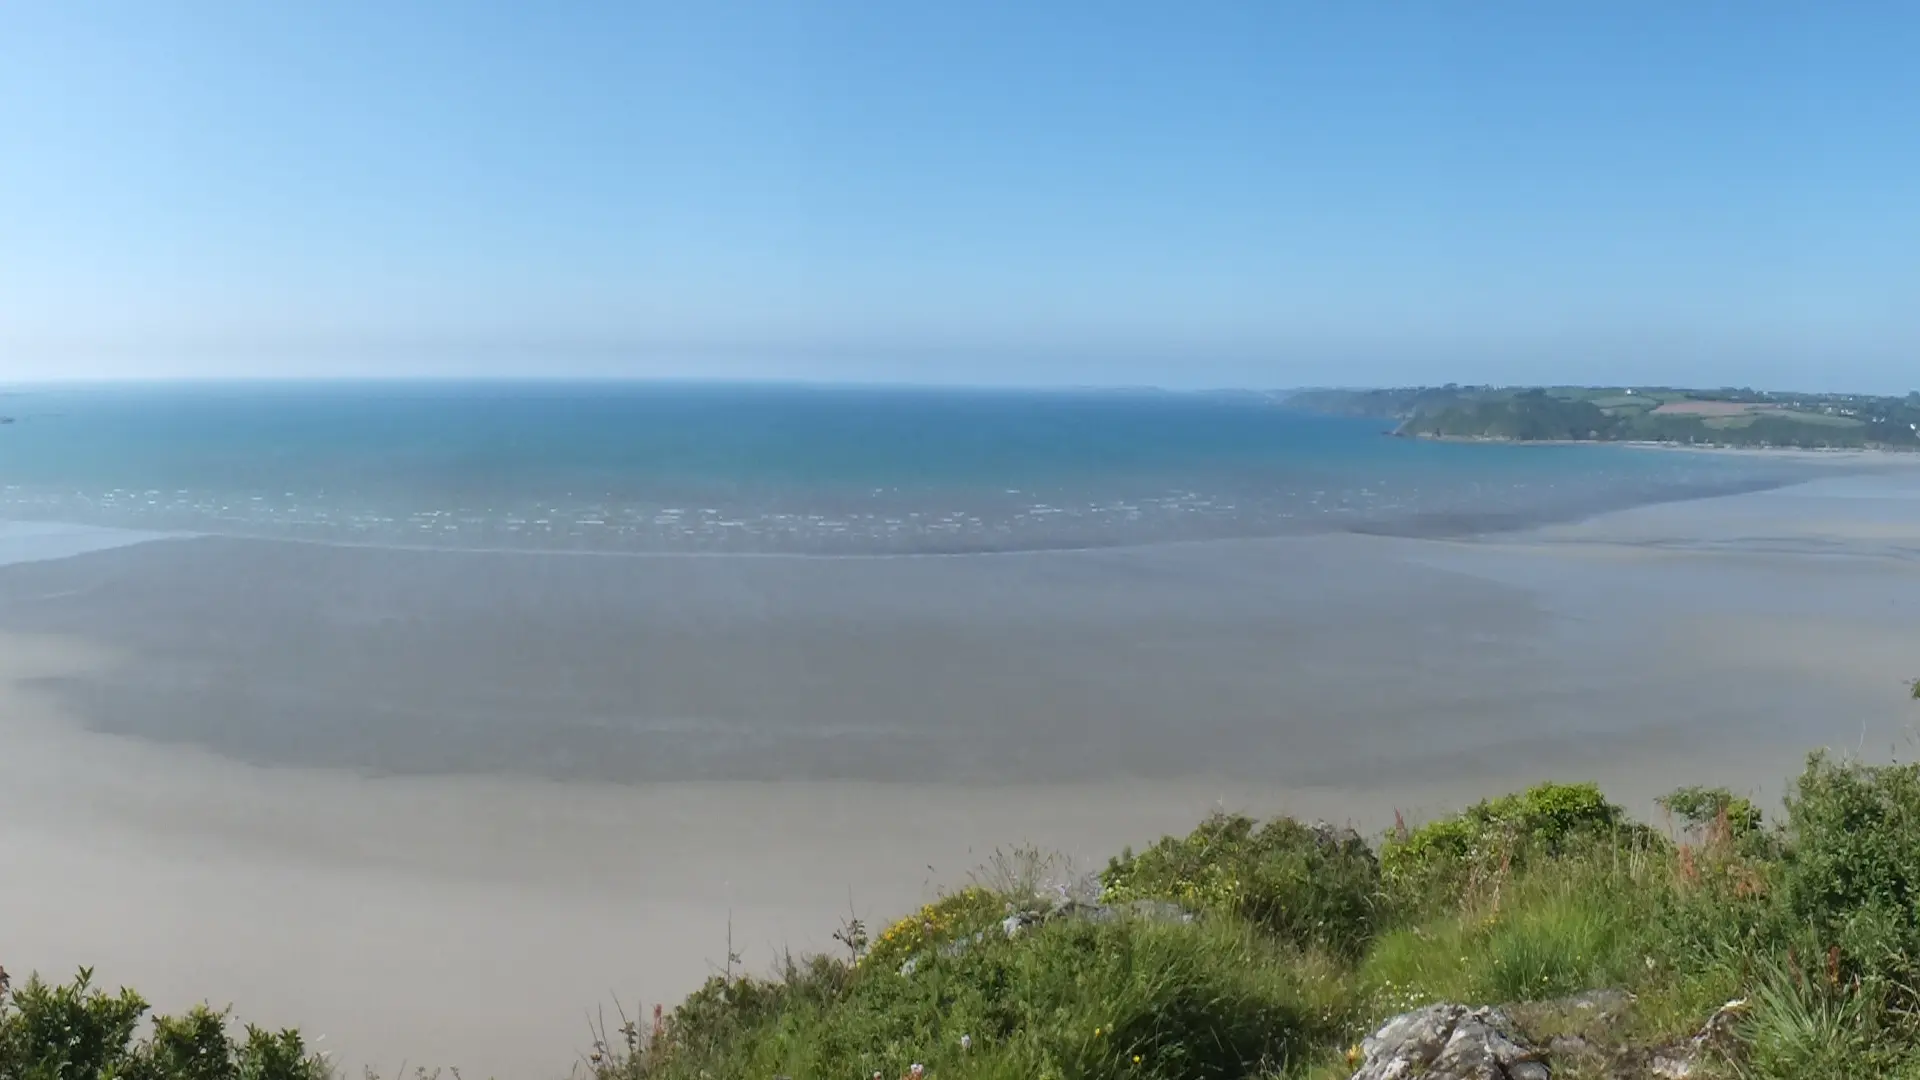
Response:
column 438, row 805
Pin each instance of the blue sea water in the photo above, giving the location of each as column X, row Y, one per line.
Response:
column 651, row 467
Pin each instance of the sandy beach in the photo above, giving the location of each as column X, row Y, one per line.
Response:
column 440, row 806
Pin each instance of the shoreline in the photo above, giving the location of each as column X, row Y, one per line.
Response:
column 1786, row 453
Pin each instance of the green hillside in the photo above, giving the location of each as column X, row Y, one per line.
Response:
column 1730, row 417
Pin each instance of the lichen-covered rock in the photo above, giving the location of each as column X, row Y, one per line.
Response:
column 1026, row 918
column 1674, row 1065
column 1683, row 1061
column 1604, row 1004
column 1450, row 1042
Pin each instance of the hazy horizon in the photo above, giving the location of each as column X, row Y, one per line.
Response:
column 19, row 384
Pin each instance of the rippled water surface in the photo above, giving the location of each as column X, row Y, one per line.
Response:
column 626, row 467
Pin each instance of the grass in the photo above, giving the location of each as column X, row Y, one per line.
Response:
column 1261, row 951
column 1795, row 1029
column 1072, row 998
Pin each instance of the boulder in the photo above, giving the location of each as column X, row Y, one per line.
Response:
column 1450, row 1042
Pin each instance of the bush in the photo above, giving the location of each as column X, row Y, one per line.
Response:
column 1434, row 863
column 1851, row 870
column 77, row 1032
column 1313, row 886
column 1704, row 809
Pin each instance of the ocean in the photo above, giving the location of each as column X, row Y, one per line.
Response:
column 653, row 467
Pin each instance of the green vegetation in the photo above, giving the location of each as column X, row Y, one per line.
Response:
column 1386, row 404
column 1726, row 417
column 1767, row 949
column 1311, row 888
column 78, row 1032
column 1436, row 863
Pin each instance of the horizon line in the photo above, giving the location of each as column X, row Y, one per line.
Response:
column 8, row 384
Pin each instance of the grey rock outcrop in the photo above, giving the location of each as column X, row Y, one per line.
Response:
column 1050, row 910
column 1682, row 1062
column 1450, row 1042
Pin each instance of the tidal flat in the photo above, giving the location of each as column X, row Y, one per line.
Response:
column 438, row 806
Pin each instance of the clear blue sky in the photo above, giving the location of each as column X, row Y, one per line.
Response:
column 1260, row 193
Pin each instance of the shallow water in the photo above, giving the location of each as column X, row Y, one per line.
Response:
column 1313, row 660
column 625, row 467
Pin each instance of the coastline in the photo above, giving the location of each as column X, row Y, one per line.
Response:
column 1784, row 453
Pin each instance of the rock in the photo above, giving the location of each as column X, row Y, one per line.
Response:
column 1160, row 911
column 1450, row 1042
column 1672, row 1068
column 1022, row 920
column 1602, row 1003
column 1149, row 910
column 1683, row 1062
column 1720, row 1025
column 1569, row 1048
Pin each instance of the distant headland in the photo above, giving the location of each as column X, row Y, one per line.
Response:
column 1737, row 418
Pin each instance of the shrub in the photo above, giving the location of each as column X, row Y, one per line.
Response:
column 71, row 1030
column 1434, row 863
column 1313, row 886
column 77, row 1032
column 1714, row 912
column 1706, row 808
column 1851, row 870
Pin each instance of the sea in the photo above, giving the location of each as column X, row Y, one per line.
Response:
column 648, row 467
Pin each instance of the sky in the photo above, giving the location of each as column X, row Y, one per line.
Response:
column 1196, row 194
